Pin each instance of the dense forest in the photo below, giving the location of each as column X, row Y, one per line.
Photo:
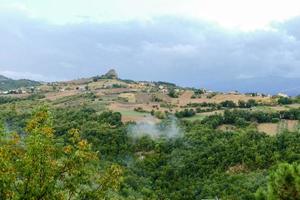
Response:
column 78, row 153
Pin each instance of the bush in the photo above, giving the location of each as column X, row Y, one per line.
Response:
column 240, row 122
column 211, row 95
column 185, row 113
column 35, row 97
column 154, row 98
column 115, row 85
column 139, row 109
column 249, row 104
column 160, row 114
column 275, row 120
column 284, row 183
column 228, row 104
column 4, row 100
column 285, row 100
column 173, row 94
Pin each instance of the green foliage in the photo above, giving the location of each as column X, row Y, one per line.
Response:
column 203, row 104
column 284, row 184
column 83, row 153
column 185, row 113
column 4, row 100
column 155, row 98
column 115, row 85
column 235, row 117
column 172, row 93
column 247, row 104
column 140, row 109
column 8, row 99
column 199, row 91
column 211, row 95
column 296, row 99
column 40, row 166
column 284, row 100
column 35, row 96
column 228, row 104
column 159, row 114
column 10, row 84
column 128, row 81
column 172, row 85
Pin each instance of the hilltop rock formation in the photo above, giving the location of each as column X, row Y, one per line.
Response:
column 111, row 74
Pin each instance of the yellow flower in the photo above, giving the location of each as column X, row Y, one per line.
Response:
column 48, row 131
column 82, row 144
column 15, row 138
column 74, row 133
column 68, row 149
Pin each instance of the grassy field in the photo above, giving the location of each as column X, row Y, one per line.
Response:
column 195, row 117
column 131, row 115
column 275, row 128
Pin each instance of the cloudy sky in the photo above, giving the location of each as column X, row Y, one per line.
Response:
column 249, row 45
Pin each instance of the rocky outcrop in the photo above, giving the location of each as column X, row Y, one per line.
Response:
column 111, row 74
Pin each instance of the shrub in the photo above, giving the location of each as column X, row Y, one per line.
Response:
column 185, row 113
column 160, row 114
column 228, row 104
column 173, row 94
column 275, row 120
column 285, row 100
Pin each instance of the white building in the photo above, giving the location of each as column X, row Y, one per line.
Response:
column 282, row 95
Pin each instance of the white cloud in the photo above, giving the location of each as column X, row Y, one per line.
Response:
column 23, row 75
column 173, row 49
column 242, row 14
column 67, row 65
column 113, row 48
column 245, row 76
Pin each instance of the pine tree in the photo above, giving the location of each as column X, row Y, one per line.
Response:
column 284, row 184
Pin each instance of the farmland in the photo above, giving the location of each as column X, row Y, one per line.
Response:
column 155, row 140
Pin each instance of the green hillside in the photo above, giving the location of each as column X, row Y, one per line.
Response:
column 108, row 138
column 10, row 84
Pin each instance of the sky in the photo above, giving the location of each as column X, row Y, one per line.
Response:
column 247, row 45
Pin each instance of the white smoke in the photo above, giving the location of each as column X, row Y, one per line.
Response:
column 149, row 127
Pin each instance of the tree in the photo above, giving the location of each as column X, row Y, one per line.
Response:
column 228, row 104
column 251, row 103
column 172, row 93
column 185, row 113
column 285, row 100
column 41, row 166
column 284, row 184
column 242, row 104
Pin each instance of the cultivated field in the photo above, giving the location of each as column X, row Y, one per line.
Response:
column 275, row 128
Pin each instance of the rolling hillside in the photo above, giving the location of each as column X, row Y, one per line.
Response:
column 10, row 84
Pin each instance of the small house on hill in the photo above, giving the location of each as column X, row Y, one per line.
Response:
column 282, row 95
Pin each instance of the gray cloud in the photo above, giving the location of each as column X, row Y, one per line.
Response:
column 187, row 52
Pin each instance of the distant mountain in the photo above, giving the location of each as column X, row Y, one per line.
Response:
column 271, row 85
column 3, row 78
column 10, row 84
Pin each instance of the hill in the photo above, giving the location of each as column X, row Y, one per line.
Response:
column 10, row 84
column 140, row 100
column 157, row 139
